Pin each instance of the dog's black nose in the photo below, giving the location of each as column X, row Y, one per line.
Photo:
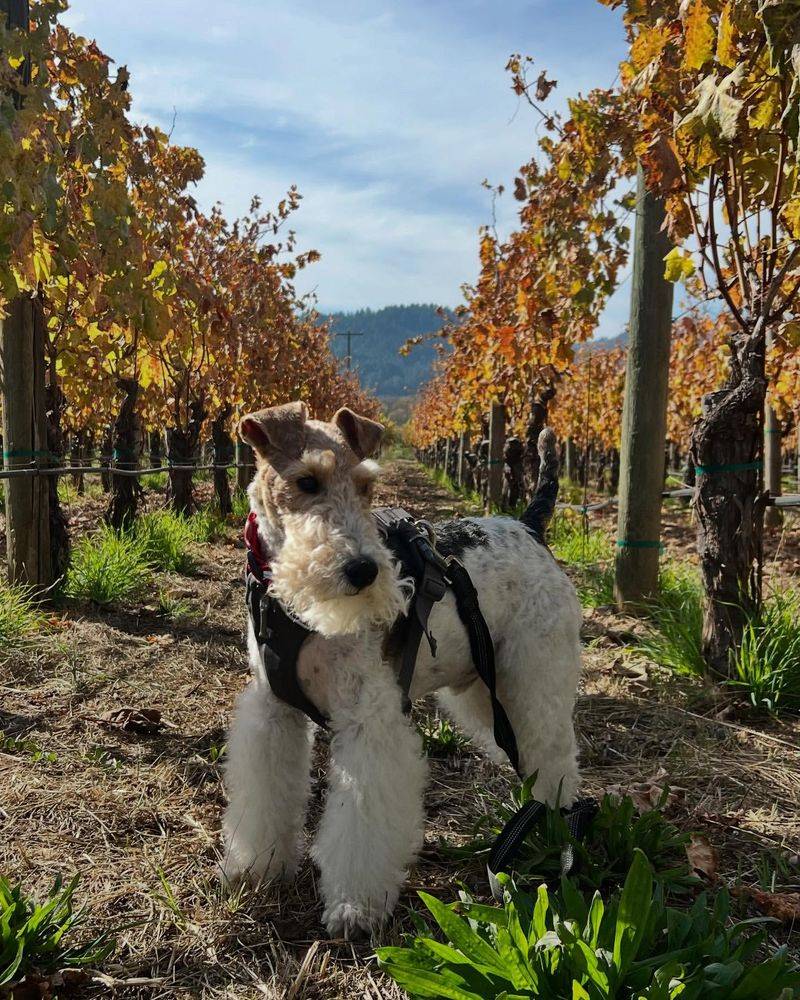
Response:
column 361, row 571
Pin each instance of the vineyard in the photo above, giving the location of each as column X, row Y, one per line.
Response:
column 138, row 328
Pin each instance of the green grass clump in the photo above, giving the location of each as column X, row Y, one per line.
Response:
column 564, row 943
column 241, row 504
column 156, row 481
column 207, row 524
column 587, row 549
column 37, row 937
column 767, row 664
column 675, row 634
column 107, row 567
column 166, row 540
column 20, row 615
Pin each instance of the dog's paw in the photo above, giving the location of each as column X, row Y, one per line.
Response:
column 234, row 874
column 349, row 921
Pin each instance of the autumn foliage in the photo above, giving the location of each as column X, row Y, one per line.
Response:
column 141, row 290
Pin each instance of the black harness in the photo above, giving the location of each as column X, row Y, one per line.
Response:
column 281, row 636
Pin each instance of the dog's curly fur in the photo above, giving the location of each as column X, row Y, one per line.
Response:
column 372, row 826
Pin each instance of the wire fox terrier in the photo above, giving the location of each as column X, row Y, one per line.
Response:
column 311, row 495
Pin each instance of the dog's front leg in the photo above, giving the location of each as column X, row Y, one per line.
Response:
column 267, row 777
column 372, row 827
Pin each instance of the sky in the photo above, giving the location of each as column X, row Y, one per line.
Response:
column 386, row 114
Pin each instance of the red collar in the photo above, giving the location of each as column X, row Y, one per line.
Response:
column 257, row 560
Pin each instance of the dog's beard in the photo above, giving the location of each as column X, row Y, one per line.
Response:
column 307, row 579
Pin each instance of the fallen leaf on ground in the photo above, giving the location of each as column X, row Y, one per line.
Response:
column 783, row 906
column 702, row 856
column 137, row 720
column 647, row 795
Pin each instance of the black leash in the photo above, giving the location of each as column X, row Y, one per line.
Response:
column 507, row 846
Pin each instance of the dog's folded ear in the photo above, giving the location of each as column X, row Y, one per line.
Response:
column 277, row 434
column 362, row 434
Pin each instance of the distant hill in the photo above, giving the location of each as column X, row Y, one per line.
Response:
column 376, row 353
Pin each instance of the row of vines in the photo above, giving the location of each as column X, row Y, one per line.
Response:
column 706, row 108
column 154, row 314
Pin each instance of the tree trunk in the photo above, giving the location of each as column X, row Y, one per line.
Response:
column 497, row 437
column 156, row 446
column 125, row 490
column 513, row 473
column 726, row 450
column 536, row 424
column 182, row 445
column 106, row 447
column 77, row 456
column 223, row 455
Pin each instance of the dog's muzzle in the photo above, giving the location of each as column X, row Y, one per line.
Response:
column 360, row 572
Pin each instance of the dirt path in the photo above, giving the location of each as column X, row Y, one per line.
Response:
column 137, row 812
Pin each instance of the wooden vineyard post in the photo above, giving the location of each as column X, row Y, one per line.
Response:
column 644, row 412
column 497, row 440
column 463, row 448
column 24, row 417
column 570, row 460
column 447, row 447
column 773, row 459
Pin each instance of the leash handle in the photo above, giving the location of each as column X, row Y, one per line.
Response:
column 511, row 838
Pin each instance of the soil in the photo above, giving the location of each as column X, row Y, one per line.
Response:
column 135, row 809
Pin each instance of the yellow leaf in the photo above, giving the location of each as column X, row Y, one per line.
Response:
column 700, row 37
column 726, row 46
column 791, row 216
column 679, row 265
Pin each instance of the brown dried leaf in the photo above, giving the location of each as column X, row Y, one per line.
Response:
column 138, row 720
column 702, row 856
column 783, row 906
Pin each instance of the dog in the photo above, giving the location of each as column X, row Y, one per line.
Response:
column 311, row 495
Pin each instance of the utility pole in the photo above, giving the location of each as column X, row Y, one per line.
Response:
column 24, row 414
column 644, row 413
column 349, row 334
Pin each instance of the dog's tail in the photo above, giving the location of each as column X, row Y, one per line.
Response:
column 540, row 510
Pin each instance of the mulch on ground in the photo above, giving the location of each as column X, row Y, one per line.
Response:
column 132, row 800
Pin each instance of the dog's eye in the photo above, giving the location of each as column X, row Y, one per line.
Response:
column 308, row 484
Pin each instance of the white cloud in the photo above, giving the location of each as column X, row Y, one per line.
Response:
column 386, row 113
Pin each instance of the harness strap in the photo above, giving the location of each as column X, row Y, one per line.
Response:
column 279, row 638
column 482, row 649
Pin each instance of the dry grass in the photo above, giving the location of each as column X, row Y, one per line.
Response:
column 137, row 814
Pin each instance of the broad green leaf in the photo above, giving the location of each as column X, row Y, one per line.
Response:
column 462, row 936
column 633, row 913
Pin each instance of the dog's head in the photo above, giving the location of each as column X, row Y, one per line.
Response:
column 312, row 492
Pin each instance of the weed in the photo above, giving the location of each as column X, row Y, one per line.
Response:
column 440, row 737
column 20, row 615
column 156, row 481
column 767, row 663
column 107, row 567
column 35, row 936
column 175, row 608
column 674, row 637
column 37, row 755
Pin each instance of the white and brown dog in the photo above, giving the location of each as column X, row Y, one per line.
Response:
column 311, row 495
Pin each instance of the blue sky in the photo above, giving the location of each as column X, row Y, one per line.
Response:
column 387, row 115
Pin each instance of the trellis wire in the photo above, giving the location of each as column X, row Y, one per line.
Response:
column 62, row 470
